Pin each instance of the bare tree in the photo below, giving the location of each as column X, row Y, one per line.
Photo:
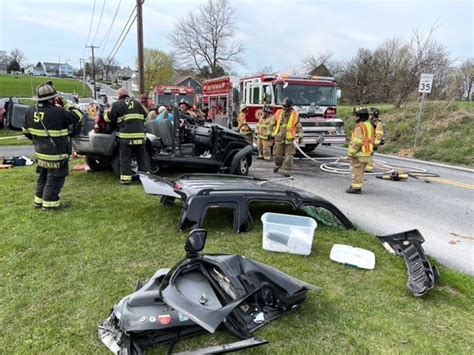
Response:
column 18, row 56
column 392, row 71
column 205, row 37
column 463, row 80
column 312, row 61
column 108, row 64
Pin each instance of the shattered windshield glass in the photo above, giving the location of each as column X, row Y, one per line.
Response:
column 323, row 216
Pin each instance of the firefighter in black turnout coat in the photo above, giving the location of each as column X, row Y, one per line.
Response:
column 49, row 124
column 128, row 116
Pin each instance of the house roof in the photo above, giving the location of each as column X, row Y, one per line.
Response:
column 320, row 70
column 181, row 79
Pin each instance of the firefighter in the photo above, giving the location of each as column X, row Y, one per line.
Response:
column 49, row 125
column 287, row 128
column 378, row 126
column 360, row 148
column 144, row 102
column 128, row 116
column 243, row 127
column 264, row 133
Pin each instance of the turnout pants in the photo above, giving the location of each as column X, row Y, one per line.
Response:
column 49, row 185
column 358, row 168
column 283, row 153
column 128, row 150
column 370, row 165
column 265, row 148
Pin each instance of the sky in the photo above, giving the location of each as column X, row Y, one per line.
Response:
column 274, row 33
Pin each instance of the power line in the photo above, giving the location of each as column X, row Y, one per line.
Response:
column 109, row 31
column 128, row 30
column 100, row 20
column 123, row 30
column 90, row 26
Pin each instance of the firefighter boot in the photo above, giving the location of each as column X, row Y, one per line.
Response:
column 351, row 190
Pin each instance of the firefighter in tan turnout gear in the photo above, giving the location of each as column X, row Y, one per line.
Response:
column 378, row 126
column 287, row 128
column 264, row 133
column 360, row 149
column 243, row 127
column 128, row 115
column 49, row 124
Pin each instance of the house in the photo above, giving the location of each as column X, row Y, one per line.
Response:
column 35, row 69
column 57, row 69
column 117, row 73
column 3, row 68
column 320, row 70
column 189, row 81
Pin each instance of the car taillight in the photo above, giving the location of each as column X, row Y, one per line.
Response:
column 330, row 112
column 178, row 186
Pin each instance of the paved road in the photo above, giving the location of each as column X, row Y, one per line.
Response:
column 442, row 211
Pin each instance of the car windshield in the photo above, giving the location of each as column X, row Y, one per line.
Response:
column 170, row 99
column 304, row 95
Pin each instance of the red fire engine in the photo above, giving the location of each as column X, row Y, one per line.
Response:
column 220, row 96
column 168, row 95
column 315, row 99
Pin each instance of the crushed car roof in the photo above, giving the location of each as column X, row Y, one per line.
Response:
column 199, row 192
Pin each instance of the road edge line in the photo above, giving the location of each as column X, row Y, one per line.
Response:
column 441, row 165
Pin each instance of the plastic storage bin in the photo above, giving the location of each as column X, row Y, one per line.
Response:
column 287, row 233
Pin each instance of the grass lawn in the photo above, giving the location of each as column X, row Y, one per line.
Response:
column 25, row 85
column 446, row 130
column 11, row 137
column 62, row 272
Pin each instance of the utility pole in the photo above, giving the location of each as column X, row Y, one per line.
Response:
column 93, row 69
column 141, row 66
column 82, row 65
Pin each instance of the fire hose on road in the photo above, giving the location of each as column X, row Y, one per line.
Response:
column 388, row 171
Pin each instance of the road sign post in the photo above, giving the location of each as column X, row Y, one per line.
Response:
column 426, row 83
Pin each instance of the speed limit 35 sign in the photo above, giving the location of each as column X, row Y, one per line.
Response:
column 426, row 83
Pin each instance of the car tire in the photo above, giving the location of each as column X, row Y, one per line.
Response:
column 95, row 164
column 243, row 166
column 309, row 148
column 115, row 164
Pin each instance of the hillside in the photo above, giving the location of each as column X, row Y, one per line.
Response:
column 447, row 131
column 25, row 85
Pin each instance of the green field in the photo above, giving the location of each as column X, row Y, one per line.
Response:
column 61, row 272
column 25, row 85
column 447, row 130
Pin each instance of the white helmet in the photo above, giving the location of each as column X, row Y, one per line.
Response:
column 161, row 109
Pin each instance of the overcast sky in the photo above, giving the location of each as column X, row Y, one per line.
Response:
column 277, row 33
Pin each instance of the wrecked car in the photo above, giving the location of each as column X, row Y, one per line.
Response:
column 174, row 143
column 202, row 293
column 201, row 192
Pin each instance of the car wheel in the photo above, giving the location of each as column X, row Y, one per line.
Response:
column 95, row 164
column 154, row 168
column 115, row 164
column 309, row 148
column 243, row 166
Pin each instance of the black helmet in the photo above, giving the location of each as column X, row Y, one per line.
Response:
column 361, row 110
column 374, row 111
column 183, row 101
column 46, row 91
column 362, row 113
column 267, row 109
column 287, row 102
